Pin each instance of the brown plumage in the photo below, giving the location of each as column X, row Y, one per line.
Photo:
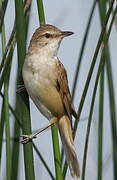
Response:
column 46, row 82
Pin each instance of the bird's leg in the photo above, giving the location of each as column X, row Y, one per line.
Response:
column 27, row 138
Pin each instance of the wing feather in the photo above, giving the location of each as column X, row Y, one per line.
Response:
column 63, row 88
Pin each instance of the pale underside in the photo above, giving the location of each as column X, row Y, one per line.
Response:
column 47, row 86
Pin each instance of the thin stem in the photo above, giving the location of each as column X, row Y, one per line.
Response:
column 100, row 124
column 43, row 161
column 93, row 65
column 102, row 12
column 82, row 49
column 112, row 113
column 2, row 122
column 41, row 12
column 56, row 150
column 2, row 14
column 101, row 38
column 93, row 98
column 7, row 127
column 16, row 128
column 6, row 110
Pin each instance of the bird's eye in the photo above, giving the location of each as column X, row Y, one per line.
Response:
column 47, row 35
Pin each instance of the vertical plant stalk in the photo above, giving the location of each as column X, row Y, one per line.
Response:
column 9, row 45
column 2, row 107
column 105, row 40
column 43, row 161
column 56, row 150
column 3, row 6
column 7, row 120
column 91, row 72
column 90, row 118
column 82, row 49
column 111, row 96
column 17, row 128
column 1, row 129
column 15, row 150
column 112, row 114
column 93, row 65
column 23, row 100
column 102, row 12
column 41, row 12
column 100, row 124
column 54, row 130
column 7, row 128
column 3, row 38
column 12, row 40
column 6, row 111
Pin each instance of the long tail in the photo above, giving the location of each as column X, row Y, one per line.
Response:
column 65, row 130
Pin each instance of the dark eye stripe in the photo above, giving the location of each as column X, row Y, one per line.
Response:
column 47, row 35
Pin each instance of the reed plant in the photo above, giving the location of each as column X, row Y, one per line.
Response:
column 10, row 135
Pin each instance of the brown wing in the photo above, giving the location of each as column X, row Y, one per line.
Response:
column 62, row 86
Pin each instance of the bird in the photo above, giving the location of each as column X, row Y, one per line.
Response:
column 45, row 79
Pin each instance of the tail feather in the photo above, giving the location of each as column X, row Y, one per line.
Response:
column 65, row 130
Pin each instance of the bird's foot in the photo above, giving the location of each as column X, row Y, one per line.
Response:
column 27, row 138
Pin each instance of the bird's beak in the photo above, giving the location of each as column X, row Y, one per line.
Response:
column 66, row 33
